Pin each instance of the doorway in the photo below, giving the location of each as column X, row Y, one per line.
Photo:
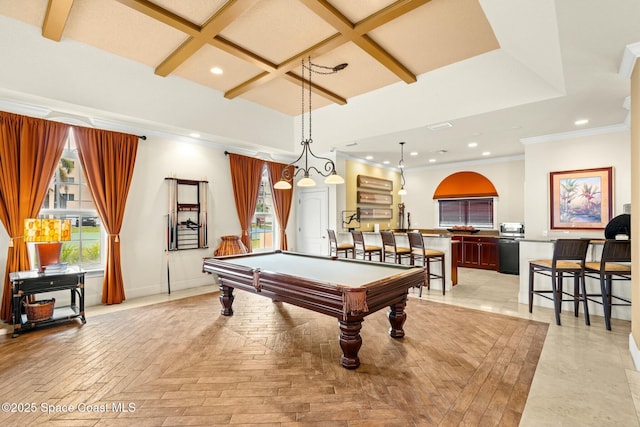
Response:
column 313, row 220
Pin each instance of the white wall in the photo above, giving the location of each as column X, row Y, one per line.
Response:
column 611, row 148
column 144, row 260
column 506, row 175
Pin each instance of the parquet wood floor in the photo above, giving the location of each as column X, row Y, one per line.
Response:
column 271, row 364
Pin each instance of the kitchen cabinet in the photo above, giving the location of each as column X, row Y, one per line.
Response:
column 477, row 252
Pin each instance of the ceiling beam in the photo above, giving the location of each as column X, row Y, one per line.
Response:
column 388, row 14
column 325, row 93
column 285, row 67
column 372, row 22
column 356, row 35
column 56, row 18
column 216, row 23
column 242, row 53
column 154, row 11
column 209, row 33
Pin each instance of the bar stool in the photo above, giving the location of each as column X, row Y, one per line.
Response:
column 335, row 248
column 606, row 271
column 568, row 259
column 426, row 256
column 391, row 249
column 361, row 248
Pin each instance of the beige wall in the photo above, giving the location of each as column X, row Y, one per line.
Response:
column 352, row 170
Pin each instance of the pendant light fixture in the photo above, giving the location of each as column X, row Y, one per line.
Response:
column 402, row 191
column 329, row 172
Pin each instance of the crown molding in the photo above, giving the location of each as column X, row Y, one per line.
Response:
column 629, row 57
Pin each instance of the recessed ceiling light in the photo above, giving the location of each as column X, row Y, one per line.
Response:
column 581, row 122
column 369, row 157
column 386, row 162
column 194, row 135
column 432, row 160
column 413, row 153
column 486, row 153
column 472, row 144
column 216, row 70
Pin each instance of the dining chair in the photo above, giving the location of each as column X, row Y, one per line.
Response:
column 614, row 265
column 567, row 262
column 426, row 256
column 336, row 248
column 360, row 248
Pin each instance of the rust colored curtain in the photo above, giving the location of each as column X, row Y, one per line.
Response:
column 281, row 200
column 246, row 174
column 30, row 150
column 108, row 159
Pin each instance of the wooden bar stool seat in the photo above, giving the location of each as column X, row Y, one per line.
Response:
column 614, row 265
column 363, row 249
column 398, row 253
column 567, row 262
column 426, row 256
column 336, row 248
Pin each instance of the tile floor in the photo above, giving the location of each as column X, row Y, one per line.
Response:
column 585, row 375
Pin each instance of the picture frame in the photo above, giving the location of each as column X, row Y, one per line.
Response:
column 374, row 183
column 581, row 199
column 368, row 198
column 374, row 213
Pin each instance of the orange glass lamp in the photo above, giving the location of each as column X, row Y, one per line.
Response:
column 48, row 234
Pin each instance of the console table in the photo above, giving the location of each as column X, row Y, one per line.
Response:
column 25, row 283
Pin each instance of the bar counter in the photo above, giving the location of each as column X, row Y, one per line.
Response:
column 438, row 242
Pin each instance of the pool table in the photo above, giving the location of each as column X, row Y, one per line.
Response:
column 346, row 289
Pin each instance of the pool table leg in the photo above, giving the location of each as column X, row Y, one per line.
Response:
column 226, row 299
column 350, row 342
column 397, row 317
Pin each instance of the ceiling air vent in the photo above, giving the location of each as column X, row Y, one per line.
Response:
column 440, row 126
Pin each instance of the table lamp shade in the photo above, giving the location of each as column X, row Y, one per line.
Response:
column 48, row 234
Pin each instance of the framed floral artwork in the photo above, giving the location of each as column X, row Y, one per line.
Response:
column 581, row 199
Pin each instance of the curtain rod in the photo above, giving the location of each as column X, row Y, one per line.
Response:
column 142, row 137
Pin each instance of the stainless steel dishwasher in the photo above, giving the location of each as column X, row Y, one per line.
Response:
column 509, row 255
column 509, row 247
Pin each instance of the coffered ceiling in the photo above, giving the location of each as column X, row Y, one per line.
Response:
column 495, row 70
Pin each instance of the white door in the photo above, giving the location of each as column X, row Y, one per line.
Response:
column 313, row 220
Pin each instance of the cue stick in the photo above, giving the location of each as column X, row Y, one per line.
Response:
column 167, row 251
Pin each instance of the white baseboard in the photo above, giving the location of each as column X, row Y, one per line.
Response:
column 635, row 352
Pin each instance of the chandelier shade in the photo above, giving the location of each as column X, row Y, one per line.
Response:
column 329, row 168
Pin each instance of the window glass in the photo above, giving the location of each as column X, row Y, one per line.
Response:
column 68, row 197
column 263, row 224
column 477, row 212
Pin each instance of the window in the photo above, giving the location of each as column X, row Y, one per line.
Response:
column 68, row 197
column 475, row 212
column 263, row 224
